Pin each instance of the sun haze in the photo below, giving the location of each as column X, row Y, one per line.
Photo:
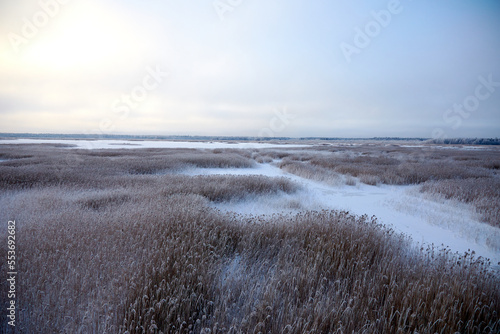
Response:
column 269, row 68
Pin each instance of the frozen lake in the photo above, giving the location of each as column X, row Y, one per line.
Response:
column 131, row 144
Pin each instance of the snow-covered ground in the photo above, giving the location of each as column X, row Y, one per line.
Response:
column 426, row 220
column 116, row 144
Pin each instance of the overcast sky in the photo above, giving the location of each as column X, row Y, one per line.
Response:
column 342, row 68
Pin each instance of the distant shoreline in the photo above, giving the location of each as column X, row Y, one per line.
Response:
column 302, row 140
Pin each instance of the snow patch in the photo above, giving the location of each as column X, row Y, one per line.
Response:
column 426, row 220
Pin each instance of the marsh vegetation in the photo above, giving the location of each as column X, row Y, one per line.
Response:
column 122, row 241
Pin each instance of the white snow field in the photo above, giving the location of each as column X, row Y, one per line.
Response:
column 426, row 220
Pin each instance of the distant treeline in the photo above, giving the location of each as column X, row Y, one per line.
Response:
column 371, row 139
column 467, row 141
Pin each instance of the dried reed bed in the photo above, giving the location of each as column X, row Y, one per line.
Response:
column 470, row 176
column 483, row 194
column 84, row 251
column 79, row 265
column 309, row 171
column 317, row 272
column 226, row 187
column 389, row 170
column 30, row 166
column 144, row 253
column 169, row 264
column 397, row 165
